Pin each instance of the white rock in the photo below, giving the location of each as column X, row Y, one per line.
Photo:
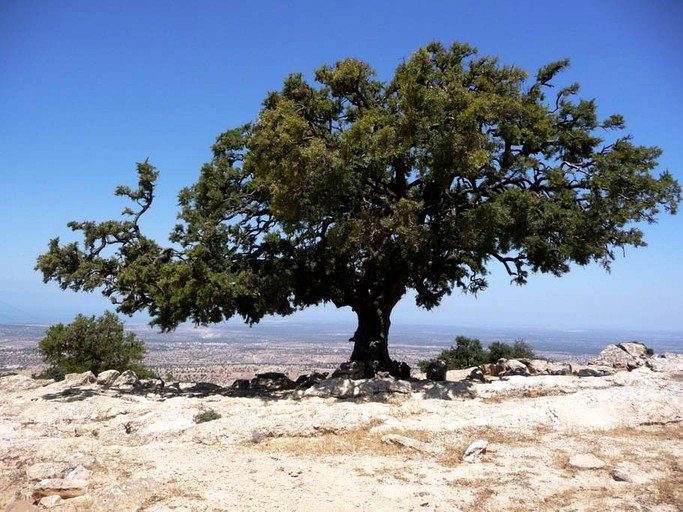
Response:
column 586, row 461
column 407, row 442
column 475, row 451
column 78, row 473
column 43, row 470
column 50, row 501
column 107, row 378
column 127, row 378
column 60, row 487
column 79, row 379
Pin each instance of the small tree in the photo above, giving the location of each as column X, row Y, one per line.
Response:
column 518, row 350
column 94, row 344
column 468, row 352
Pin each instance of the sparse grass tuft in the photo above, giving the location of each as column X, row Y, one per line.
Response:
column 207, row 415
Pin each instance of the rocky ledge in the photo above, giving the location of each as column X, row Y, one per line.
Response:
column 515, row 435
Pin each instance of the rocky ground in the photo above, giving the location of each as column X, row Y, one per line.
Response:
column 548, row 442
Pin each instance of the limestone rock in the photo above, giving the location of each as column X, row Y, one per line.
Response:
column 436, row 370
column 407, row 442
column 78, row 473
column 475, row 451
column 586, row 461
column 667, row 362
column 477, row 374
column 79, row 379
column 44, row 470
column 543, row 367
column 126, row 379
column 50, row 501
column 60, row 487
column 515, row 367
column 21, row 382
column 107, row 377
column 128, row 495
column 623, row 356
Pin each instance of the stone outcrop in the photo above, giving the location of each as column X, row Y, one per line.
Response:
column 107, row 378
column 623, row 356
column 349, row 388
column 127, row 379
column 586, row 461
column 271, row 381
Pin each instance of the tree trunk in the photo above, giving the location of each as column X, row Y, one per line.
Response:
column 371, row 340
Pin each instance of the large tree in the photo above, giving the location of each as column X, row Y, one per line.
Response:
column 356, row 190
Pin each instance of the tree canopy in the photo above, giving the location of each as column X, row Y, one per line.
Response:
column 355, row 190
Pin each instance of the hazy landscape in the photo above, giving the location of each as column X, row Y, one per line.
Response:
column 222, row 353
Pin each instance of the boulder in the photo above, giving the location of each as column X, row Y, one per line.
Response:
column 79, row 379
column 126, row 379
column 353, row 370
column 60, row 487
column 515, row 367
column 306, row 381
column 586, row 461
column 623, row 356
column 543, row 367
column 436, row 370
column 475, row 451
column 107, row 377
column 241, row 384
column 272, row 381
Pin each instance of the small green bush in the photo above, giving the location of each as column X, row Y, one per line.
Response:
column 468, row 352
column 207, row 415
column 92, row 344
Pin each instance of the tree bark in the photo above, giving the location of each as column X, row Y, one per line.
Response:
column 371, row 340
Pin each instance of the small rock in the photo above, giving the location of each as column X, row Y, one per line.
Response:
column 50, row 501
column 126, row 379
column 586, row 461
column 78, row 473
column 621, row 476
column 43, row 470
column 79, row 379
column 107, row 377
column 475, row 451
column 407, row 442
column 59, row 487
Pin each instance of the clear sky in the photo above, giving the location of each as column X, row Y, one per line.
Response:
column 89, row 88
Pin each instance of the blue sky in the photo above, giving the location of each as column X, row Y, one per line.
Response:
column 89, row 88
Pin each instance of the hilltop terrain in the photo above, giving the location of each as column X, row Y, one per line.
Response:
column 552, row 442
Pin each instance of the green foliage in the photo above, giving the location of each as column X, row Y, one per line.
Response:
column 468, row 352
column 354, row 190
column 518, row 350
column 90, row 343
column 207, row 415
